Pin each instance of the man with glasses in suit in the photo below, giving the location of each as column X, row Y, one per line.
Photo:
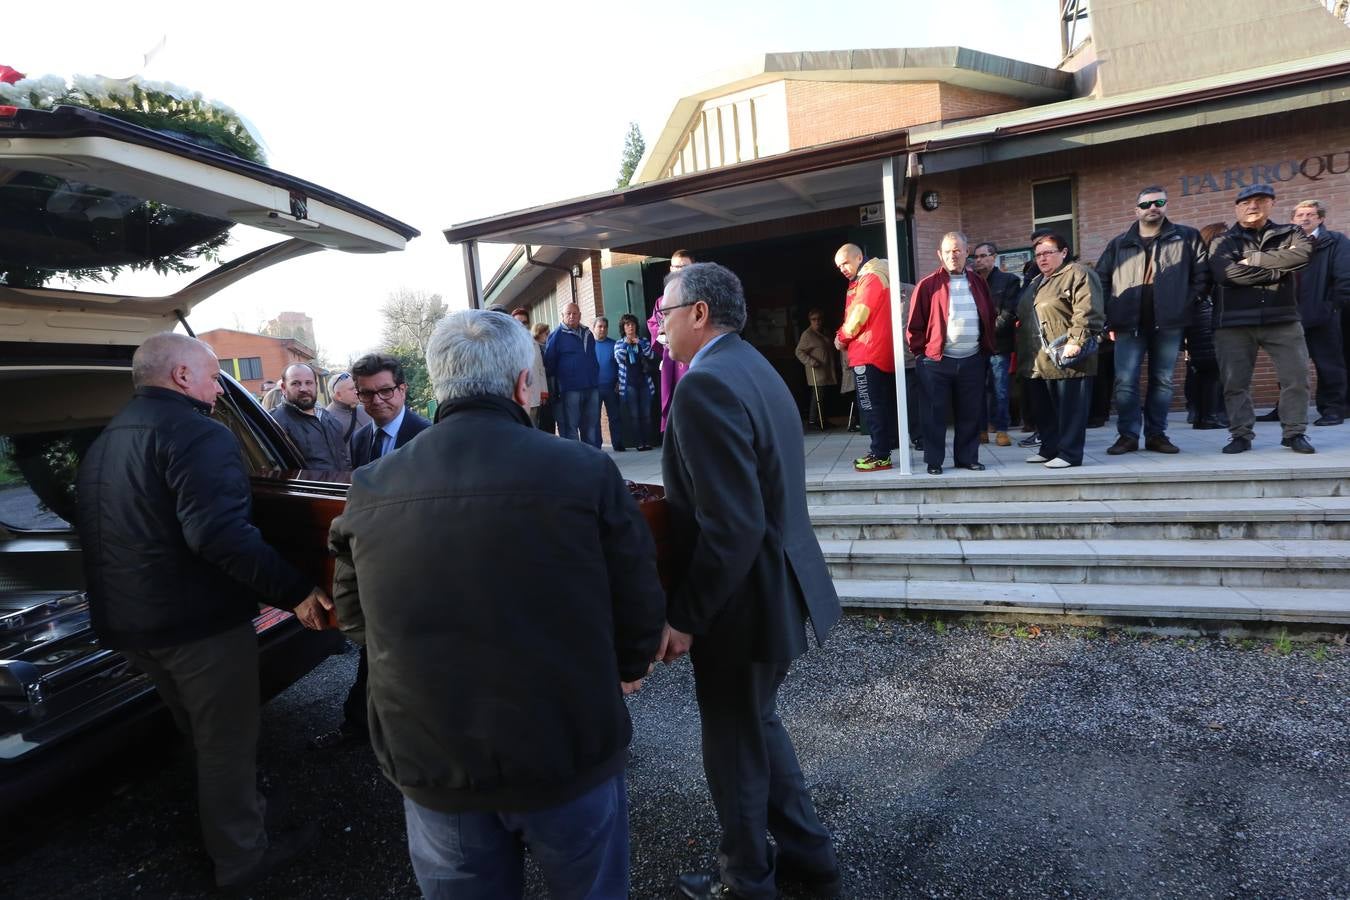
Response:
column 383, row 392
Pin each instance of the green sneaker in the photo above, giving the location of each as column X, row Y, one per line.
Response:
column 870, row 463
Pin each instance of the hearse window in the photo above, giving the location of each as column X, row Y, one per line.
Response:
column 37, row 478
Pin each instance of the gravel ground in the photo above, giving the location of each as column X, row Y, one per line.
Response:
column 949, row 762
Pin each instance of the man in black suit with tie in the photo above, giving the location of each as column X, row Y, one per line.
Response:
column 383, row 392
column 734, row 472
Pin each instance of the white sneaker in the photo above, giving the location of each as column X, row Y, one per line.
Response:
column 1058, row 463
column 1035, row 459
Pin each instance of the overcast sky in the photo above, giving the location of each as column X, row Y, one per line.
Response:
column 441, row 116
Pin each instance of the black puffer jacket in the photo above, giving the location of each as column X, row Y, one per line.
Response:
column 1004, row 289
column 165, row 521
column 1261, row 293
column 1180, row 270
column 1324, row 286
column 500, row 605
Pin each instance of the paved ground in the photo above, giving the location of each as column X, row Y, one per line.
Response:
column 960, row 761
column 829, row 456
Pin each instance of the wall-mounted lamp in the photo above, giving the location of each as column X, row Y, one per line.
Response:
column 929, row 200
column 576, row 270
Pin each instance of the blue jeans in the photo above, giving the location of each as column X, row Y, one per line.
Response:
column 611, row 403
column 581, row 847
column 998, row 391
column 1162, row 347
column 579, row 412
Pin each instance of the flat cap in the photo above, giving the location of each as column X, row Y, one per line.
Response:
column 1255, row 190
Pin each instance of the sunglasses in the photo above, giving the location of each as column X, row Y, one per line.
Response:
column 1147, row 203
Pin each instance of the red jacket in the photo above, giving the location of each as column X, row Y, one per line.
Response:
column 866, row 332
column 926, row 331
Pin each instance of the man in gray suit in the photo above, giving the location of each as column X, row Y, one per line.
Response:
column 734, row 472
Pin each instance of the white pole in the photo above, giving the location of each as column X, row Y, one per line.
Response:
column 897, row 314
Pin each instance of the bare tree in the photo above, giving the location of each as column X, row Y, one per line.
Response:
column 410, row 317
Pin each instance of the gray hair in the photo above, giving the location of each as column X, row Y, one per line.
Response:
column 718, row 287
column 955, row 236
column 599, row 319
column 477, row 351
column 1314, row 204
column 155, row 359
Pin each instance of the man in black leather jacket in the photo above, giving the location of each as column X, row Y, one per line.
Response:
column 1256, row 307
column 175, row 569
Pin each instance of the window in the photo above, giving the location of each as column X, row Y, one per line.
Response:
column 250, row 368
column 1052, row 206
column 227, row 366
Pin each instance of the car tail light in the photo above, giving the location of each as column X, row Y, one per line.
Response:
column 8, row 112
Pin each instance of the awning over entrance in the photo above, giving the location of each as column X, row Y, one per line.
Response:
column 802, row 181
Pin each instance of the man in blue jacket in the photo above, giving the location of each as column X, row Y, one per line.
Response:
column 569, row 356
column 608, row 387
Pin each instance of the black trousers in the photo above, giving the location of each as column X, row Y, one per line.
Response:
column 960, row 384
column 753, row 776
column 1326, row 347
column 819, row 403
column 355, row 717
column 876, row 405
column 1062, row 406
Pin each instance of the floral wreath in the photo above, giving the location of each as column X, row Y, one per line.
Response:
column 160, row 106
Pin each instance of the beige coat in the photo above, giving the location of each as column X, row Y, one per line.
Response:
column 1067, row 300
column 818, row 348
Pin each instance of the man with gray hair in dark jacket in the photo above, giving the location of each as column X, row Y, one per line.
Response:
column 496, row 690
column 174, row 568
column 1153, row 275
column 1256, row 308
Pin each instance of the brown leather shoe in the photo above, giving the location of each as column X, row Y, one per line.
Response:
column 1123, row 444
column 1159, row 443
column 1002, row 439
column 984, row 437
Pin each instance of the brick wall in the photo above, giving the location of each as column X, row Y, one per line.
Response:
column 275, row 353
column 824, row 111
column 1201, row 169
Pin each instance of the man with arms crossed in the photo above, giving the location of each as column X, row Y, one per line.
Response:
column 735, row 480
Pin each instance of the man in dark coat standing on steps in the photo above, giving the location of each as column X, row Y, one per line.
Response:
column 753, row 571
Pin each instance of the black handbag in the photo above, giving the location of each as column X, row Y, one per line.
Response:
column 1055, row 349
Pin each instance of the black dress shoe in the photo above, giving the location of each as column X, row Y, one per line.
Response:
column 916, row 443
column 1272, row 416
column 974, row 467
column 1207, row 425
column 935, row 470
column 338, row 737
column 1330, row 419
column 1237, row 445
column 701, row 886
column 1298, row 443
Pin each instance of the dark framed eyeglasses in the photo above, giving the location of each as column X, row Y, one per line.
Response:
column 1145, row 204
column 661, row 313
column 383, row 393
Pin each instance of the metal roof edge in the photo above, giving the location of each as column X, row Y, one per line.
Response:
column 807, row 159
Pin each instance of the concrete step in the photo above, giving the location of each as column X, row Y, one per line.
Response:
column 1148, row 601
column 1133, row 482
column 1226, row 563
column 1278, row 518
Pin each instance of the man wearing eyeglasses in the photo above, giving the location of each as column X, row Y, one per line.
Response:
column 1153, row 275
column 383, row 392
column 1256, row 308
column 1004, row 288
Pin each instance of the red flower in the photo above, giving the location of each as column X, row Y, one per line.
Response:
column 8, row 75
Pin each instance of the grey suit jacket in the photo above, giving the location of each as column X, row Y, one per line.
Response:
column 735, row 479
